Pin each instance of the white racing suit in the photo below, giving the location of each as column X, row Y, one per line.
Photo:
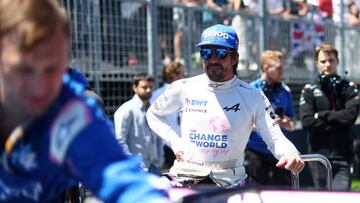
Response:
column 217, row 119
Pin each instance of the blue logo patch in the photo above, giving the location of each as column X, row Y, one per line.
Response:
column 195, row 102
column 208, row 140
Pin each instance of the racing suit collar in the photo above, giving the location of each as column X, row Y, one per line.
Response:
column 221, row 85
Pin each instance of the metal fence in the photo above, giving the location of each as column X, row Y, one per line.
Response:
column 114, row 39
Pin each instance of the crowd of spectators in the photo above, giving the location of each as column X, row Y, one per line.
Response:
column 222, row 11
column 174, row 21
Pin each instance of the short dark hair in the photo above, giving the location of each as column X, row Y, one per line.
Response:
column 141, row 76
column 235, row 54
column 326, row 48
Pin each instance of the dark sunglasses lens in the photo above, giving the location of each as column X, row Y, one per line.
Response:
column 205, row 54
column 221, row 53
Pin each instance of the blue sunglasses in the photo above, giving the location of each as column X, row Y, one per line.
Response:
column 220, row 53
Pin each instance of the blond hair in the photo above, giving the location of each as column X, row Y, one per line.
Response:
column 34, row 20
column 268, row 55
column 171, row 69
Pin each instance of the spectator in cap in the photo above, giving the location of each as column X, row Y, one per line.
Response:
column 218, row 113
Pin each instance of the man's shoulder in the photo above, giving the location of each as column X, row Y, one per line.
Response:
column 69, row 117
column 71, row 102
column 250, row 88
column 285, row 87
column 127, row 107
column 347, row 83
column 194, row 79
column 256, row 83
column 78, row 76
column 309, row 87
column 250, row 92
column 161, row 89
column 190, row 82
column 72, row 89
column 349, row 87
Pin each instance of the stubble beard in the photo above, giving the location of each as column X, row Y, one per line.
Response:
column 145, row 97
column 215, row 72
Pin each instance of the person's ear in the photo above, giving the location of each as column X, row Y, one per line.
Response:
column 317, row 65
column 265, row 67
column 134, row 88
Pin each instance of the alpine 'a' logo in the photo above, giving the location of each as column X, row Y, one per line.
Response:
column 235, row 108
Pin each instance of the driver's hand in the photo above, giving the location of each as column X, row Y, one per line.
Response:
column 180, row 156
column 291, row 162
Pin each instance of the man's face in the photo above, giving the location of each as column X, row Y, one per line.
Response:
column 217, row 69
column 144, row 89
column 274, row 70
column 32, row 79
column 327, row 63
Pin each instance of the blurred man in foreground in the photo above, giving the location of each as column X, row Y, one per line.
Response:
column 52, row 136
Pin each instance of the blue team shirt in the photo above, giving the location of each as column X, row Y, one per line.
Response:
column 73, row 141
column 78, row 76
column 280, row 98
column 158, row 92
